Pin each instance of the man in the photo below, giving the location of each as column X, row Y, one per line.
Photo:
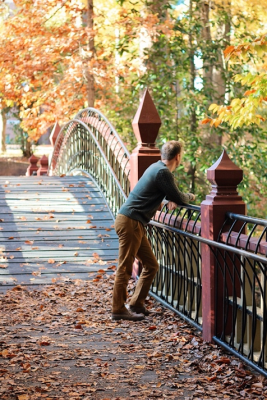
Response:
column 156, row 183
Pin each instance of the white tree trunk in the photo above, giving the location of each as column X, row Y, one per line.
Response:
column 2, row 131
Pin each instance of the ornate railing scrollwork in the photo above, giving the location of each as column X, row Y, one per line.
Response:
column 90, row 144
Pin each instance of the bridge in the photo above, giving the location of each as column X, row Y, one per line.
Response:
column 59, row 227
column 53, row 229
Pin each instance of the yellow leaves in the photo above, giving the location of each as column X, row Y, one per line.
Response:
column 257, row 47
column 240, row 112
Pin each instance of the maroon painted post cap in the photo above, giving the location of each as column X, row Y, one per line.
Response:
column 224, row 172
column 33, row 160
column 43, row 166
column 146, row 122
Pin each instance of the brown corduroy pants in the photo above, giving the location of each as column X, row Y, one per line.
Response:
column 133, row 243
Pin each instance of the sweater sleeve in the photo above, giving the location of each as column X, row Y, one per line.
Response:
column 170, row 189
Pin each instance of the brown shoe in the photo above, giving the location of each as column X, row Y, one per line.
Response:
column 139, row 310
column 127, row 315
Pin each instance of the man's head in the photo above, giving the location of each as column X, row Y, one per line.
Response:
column 170, row 149
column 171, row 153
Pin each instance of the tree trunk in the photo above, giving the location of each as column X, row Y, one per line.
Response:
column 193, row 116
column 206, row 36
column 28, row 149
column 3, row 132
column 219, row 67
column 90, row 81
column 214, row 70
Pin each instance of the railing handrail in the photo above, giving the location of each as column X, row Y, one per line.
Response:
column 108, row 123
column 103, row 155
column 246, row 218
column 78, row 119
column 211, row 243
column 237, row 236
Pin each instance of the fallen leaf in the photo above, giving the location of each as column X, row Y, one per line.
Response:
column 23, row 397
column 211, row 378
column 5, row 353
column 223, row 360
column 112, row 267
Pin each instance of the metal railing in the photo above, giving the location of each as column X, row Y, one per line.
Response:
column 241, row 316
column 90, row 144
column 240, row 280
column 178, row 281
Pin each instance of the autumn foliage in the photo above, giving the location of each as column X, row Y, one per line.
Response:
column 245, row 110
column 47, row 58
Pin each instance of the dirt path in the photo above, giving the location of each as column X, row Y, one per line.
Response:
column 60, row 343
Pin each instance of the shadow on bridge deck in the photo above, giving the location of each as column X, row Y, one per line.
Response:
column 53, row 228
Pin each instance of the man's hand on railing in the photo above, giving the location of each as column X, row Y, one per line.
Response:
column 192, row 197
column 171, row 205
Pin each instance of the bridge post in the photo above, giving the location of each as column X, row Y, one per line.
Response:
column 43, row 166
column 146, row 124
column 224, row 177
column 33, row 160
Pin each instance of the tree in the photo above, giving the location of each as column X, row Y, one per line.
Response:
column 186, row 72
column 246, row 110
column 46, row 59
column 3, row 131
column 58, row 57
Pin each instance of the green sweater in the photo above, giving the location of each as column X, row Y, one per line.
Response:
column 155, row 184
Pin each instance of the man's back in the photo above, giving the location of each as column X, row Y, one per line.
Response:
column 156, row 183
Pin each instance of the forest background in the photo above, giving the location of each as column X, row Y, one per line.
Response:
column 197, row 57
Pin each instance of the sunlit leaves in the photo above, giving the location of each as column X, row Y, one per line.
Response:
column 44, row 54
column 244, row 111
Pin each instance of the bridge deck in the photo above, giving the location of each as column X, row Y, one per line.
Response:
column 53, row 228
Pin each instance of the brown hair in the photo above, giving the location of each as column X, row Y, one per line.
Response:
column 170, row 149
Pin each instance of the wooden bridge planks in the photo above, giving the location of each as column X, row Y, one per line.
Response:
column 53, row 228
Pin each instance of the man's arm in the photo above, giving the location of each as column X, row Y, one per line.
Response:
column 171, row 191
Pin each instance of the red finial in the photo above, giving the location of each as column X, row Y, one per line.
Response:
column 146, row 122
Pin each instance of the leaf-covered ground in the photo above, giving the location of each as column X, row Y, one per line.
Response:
column 60, row 343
